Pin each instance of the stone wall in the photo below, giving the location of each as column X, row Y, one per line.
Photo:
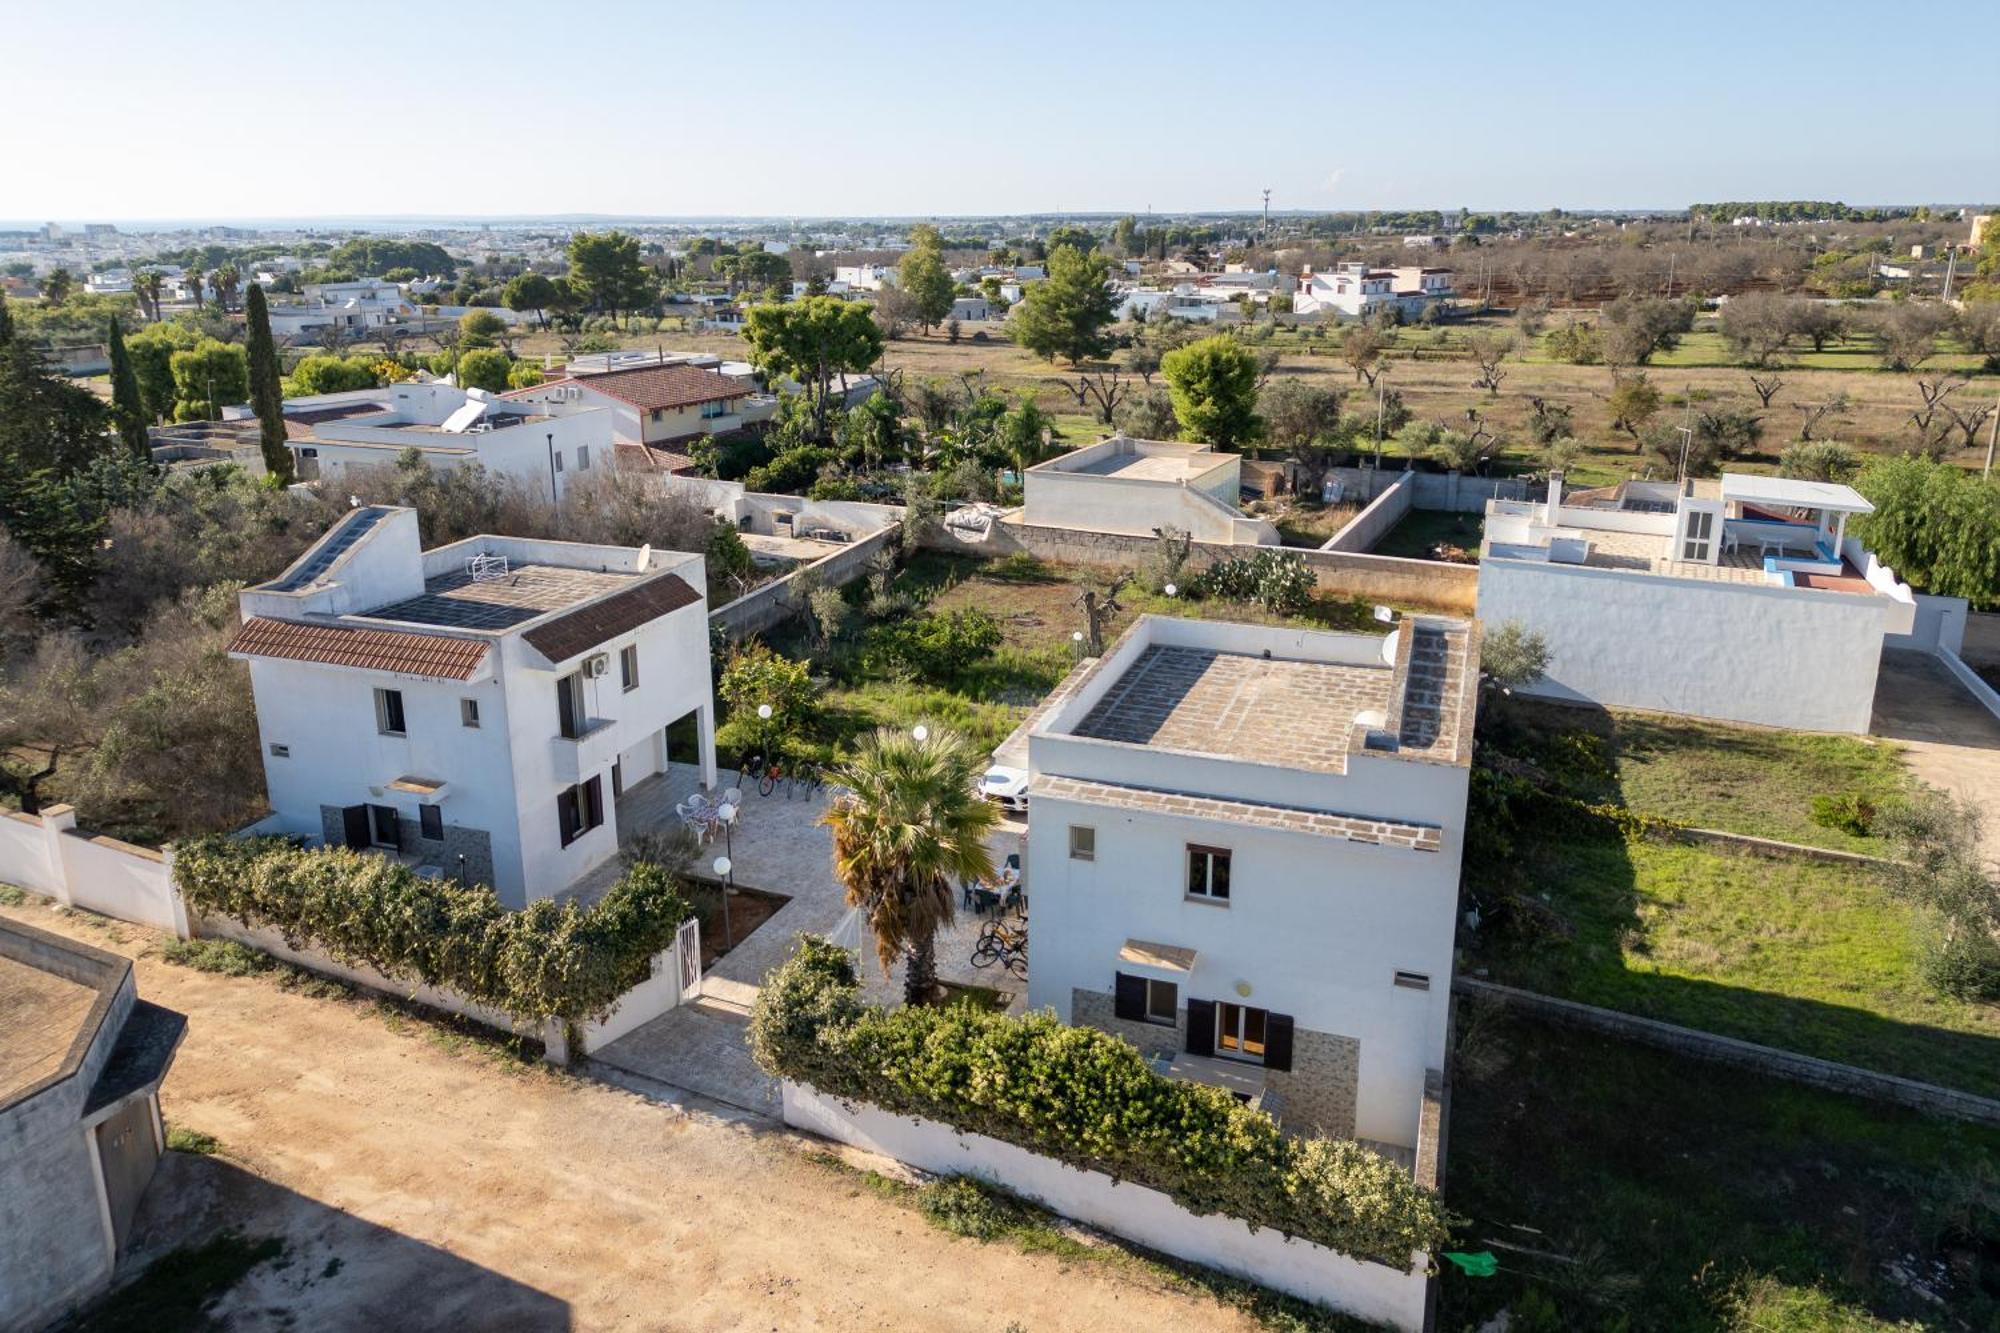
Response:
column 476, row 845
column 1316, row 1095
column 1424, row 583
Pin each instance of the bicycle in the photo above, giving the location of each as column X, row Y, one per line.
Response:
column 1002, row 944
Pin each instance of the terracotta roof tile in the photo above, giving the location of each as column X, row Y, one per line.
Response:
column 439, row 656
column 650, row 388
column 587, row 626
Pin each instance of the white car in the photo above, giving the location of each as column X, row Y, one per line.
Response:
column 1007, row 787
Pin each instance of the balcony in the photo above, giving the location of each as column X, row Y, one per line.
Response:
column 591, row 750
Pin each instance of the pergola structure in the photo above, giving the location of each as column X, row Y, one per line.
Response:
column 1829, row 502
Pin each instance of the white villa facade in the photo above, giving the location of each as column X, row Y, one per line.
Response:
column 1743, row 600
column 1356, row 291
column 1135, row 487
column 473, row 710
column 1245, row 856
column 654, row 405
column 449, row 427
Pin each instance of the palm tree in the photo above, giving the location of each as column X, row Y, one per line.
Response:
column 909, row 827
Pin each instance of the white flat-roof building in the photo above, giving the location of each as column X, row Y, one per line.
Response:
column 1357, row 291
column 474, row 710
column 1245, row 856
column 1743, row 600
column 1136, row 487
column 449, row 427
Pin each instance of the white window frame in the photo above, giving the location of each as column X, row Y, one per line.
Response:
column 1078, row 850
column 468, row 713
column 382, row 697
column 628, row 667
column 1172, row 994
column 1207, row 893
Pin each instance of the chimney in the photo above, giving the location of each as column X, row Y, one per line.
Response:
column 1553, row 511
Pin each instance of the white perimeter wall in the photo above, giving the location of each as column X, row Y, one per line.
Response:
column 1311, row 1272
column 1732, row 651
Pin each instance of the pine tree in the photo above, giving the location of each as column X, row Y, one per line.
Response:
column 128, row 413
column 267, row 393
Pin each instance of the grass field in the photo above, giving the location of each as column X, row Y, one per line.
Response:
column 1808, row 955
column 1627, row 1189
column 1710, row 775
column 1429, row 368
column 1422, row 529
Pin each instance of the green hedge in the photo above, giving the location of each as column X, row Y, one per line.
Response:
column 1089, row 1099
column 544, row 961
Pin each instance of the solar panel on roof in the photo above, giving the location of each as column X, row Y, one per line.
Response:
column 331, row 547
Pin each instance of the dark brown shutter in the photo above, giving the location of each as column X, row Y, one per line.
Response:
column 1129, row 997
column 1277, row 1041
column 1201, row 1027
column 354, row 826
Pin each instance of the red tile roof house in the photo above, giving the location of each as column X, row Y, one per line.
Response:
column 476, row 710
column 652, row 407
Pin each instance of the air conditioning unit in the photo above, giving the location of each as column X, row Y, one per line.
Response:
column 597, row 664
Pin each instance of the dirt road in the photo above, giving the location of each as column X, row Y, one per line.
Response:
column 420, row 1185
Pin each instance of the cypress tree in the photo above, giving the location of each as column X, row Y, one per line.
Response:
column 127, row 411
column 267, row 393
column 6, row 320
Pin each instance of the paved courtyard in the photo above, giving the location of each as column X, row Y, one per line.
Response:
column 779, row 846
column 1949, row 738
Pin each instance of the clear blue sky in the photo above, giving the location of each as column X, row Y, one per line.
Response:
column 125, row 109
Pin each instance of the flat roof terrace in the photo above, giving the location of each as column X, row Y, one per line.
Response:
column 1283, row 712
column 44, row 1014
column 1147, row 467
column 526, row 592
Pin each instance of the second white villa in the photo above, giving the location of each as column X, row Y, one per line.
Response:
column 474, row 710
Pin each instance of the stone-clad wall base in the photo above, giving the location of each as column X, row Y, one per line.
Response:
column 476, row 845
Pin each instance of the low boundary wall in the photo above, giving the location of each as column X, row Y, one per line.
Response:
column 764, row 607
column 1431, row 584
column 1145, row 1216
column 1373, row 523
column 1807, row 1069
column 48, row 855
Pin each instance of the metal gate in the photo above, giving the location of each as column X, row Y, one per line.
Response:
column 687, row 950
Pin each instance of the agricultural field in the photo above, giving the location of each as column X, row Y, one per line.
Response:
column 1429, row 367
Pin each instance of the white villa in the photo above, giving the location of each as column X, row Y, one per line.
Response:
column 1135, row 487
column 476, row 709
column 1743, row 600
column 365, row 304
column 449, row 427
column 1356, row 291
column 1245, row 856
column 653, row 407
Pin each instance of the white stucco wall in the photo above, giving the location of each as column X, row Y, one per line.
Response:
column 1315, row 927
column 1737, row 652
column 1312, row 1272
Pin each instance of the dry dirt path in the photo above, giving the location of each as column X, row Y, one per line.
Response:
column 422, row 1185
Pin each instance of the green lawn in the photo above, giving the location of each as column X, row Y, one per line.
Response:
column 1807, row 955
column 1420, row 529
column 1643, row 1191
column 1804, row 955
column 1712, row 775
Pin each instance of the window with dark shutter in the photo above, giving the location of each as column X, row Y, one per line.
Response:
column 1201, row 1027
column 430, row 820
column 388, row 826
column 593, row 803
column 1129, row 997
column 566, row 815
column 354, row 826
column 1278, row 1041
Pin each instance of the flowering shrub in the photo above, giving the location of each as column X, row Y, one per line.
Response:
column 544, row 961
column 1089, row 1099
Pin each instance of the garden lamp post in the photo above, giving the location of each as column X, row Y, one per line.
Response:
column 1077, row 640
column 1170, row 590
column 723, row 865
column 764, row 735
column 921, row 732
